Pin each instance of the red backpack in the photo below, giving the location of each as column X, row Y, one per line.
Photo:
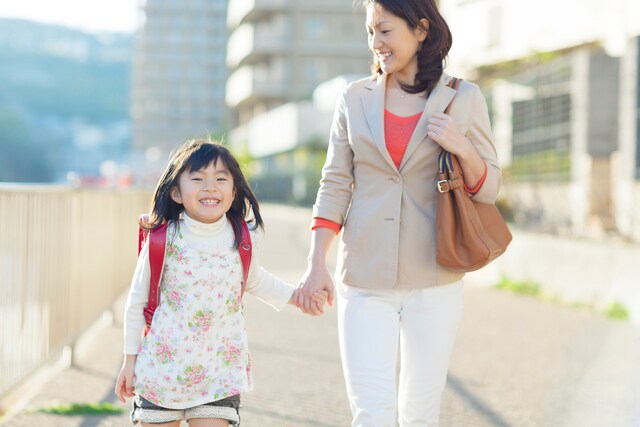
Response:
column 157, row 247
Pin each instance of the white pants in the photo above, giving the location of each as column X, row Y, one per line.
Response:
column 371, row 324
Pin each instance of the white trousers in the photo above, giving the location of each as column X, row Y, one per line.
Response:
column 372, row 324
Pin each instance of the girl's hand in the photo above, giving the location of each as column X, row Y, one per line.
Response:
column 319, row 298
column 124, row 383
column 443, row 130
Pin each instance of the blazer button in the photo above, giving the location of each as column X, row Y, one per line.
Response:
column 395, row 179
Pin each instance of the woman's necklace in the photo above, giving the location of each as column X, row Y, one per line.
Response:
column 402, row 91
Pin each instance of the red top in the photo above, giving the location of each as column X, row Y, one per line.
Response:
column 397, row 133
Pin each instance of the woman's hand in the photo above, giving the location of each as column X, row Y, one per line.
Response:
column 315, row 279
column 124, row 383
column 443, row 130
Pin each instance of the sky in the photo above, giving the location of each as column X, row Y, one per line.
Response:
column 88, row 15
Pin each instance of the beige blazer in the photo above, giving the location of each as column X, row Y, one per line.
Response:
column 389, row 215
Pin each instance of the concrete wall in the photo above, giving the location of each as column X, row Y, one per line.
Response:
column 594, row 272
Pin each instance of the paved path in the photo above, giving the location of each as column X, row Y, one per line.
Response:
column 517, row 362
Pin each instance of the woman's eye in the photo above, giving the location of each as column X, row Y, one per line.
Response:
column 196, row 179
column 222, row 179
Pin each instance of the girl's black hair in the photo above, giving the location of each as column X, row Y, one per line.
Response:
column 191, row 156
column 435, row 48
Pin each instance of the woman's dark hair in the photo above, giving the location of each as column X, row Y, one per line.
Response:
column 192, row 156
column 433, row 51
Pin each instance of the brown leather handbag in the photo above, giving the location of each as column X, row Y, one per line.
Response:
column 469, row 234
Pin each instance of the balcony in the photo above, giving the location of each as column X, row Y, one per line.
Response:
column 249, row 43
column 249, row 83
column 239, row 11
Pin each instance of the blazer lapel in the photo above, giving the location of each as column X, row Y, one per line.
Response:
column 373, row 107
column 436, row 103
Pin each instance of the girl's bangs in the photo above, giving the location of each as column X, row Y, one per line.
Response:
column 203, row 157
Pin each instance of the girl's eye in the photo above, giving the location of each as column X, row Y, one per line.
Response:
column 196, row 179
column 222, row 179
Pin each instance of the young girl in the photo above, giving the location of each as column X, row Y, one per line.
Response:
column 194, row 362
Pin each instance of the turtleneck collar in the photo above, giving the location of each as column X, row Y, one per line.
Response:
column 204, row 229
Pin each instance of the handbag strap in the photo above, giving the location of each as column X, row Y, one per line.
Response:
column 449, row 177
column 454, row 84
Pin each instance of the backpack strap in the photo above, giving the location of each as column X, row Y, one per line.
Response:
column 157, row 248
column 245, row 255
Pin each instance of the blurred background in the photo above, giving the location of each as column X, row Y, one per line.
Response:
column 95, row 95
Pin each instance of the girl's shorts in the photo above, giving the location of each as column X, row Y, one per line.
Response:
column 147, row 412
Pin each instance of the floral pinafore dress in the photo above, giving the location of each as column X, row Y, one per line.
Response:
column 196, row 350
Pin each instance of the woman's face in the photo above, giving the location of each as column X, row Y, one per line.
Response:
column 393, row 42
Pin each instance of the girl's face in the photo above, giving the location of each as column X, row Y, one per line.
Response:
column 207, row 193
column 394, row 43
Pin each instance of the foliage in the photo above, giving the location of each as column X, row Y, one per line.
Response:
column 617, row 311
column 547, row 164
column 63, row 87
column 51, row 70
column 523, row 288
column 104, row 408
column 20, row 159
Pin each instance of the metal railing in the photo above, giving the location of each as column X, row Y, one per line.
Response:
column 65, row 256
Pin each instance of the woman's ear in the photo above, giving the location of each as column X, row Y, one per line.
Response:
column 175, row 195
column 422, row 30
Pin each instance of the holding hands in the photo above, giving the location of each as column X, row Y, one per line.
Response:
column 317, row 300
column 316, row 282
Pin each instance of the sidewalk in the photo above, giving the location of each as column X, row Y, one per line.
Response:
column 517, row 362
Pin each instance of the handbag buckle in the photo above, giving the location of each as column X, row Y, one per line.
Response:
column 441, row 188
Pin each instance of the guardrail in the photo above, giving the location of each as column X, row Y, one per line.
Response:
column 66, row 254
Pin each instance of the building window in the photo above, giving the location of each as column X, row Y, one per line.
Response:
column 541, row 127
column 315, row 27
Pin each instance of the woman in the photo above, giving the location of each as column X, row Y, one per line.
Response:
column 379, row 186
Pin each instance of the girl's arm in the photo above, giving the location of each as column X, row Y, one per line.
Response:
column 134, row 322
column 264, row 285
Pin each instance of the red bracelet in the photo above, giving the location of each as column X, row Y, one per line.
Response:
column 477, row 187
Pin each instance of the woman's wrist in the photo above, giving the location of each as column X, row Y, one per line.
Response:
column 467, row 151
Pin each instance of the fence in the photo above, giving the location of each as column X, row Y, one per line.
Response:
column 65, row 255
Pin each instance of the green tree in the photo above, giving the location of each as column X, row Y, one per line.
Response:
column 20, row 159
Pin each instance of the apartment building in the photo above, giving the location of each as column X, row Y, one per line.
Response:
column 179, row 73
column 280, row 50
